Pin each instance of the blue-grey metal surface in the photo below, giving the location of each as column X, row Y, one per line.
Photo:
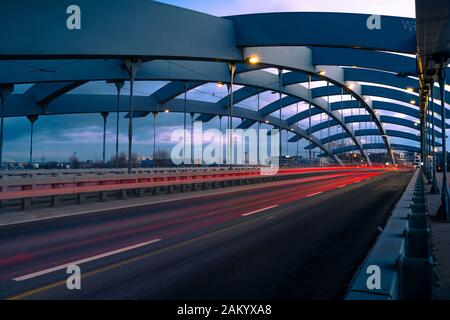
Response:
column 196, row 49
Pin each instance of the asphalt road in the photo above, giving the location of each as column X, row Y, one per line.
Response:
column 303, row 239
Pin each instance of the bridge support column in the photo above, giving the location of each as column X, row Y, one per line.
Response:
column 444, row 209
column 192, row 138
column 104, row 116
column 185, row 160
column 155, row 119
column 280, row 85
column 230, row 155
column 427, row 144
column 119, row 85
column 423, row 148
column 221, row 158
column 132, row 66
column 434, row 185
column 309, row 116
column 32, row 120
column 5, row 91
column 258, row 160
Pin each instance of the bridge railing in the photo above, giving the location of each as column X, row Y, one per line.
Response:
column 402, row 253
column 26, row 191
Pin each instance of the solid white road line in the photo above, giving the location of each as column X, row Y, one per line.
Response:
column 313, row 194
column 256, row 211
column 96, row 257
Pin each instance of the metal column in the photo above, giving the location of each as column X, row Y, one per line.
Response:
column 309, row 115
column 434, row 185
column 232, row 68
column 280, row 84
column 5, row 90
column 444, row 209
column 132, row 66
column 192, row 138
column 104, row 116
column 155, row 118
column 32, row 120
column 119, row 86
column 257, row 133
column 184, row 122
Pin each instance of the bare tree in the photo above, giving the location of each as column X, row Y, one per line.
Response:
column 162, row 158
column 74, row 162
column 123, row 160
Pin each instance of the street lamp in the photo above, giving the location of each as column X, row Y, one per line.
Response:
column 253, row 59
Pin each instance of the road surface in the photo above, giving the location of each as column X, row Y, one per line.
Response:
column 302, row 239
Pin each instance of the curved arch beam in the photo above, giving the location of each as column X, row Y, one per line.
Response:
column 300, row 59
column 90, row 103
column 368, row 132
column 380, row 146
column 196, row 35
column 377, row 105
column 365, row 118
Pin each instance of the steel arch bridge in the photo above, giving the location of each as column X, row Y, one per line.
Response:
column 58, row 46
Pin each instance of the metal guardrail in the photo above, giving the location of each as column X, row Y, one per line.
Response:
column 28, row 192
column 35, row 173
column 402, row 253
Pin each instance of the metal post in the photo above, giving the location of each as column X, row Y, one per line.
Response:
column 444, row 209
column 309, row 115
column 184, row 122
column 232, row 68
column 220, row 138
column 32, row 120
column 328, row 114
column 192, row 138
column 428, row 138
column 132, row 67
column 257, row 134
column 434, row 185
column 155, row 118
column 105, row 116
column 280, row 83
column 430, row 142
column 5, row 90
column 341, row 128
column 309, row 133
column 422, row 137
column 119, row 85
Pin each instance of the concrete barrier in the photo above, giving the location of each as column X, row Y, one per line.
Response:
column 402, row 252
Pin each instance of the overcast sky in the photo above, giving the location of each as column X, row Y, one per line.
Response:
column 58, row 137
